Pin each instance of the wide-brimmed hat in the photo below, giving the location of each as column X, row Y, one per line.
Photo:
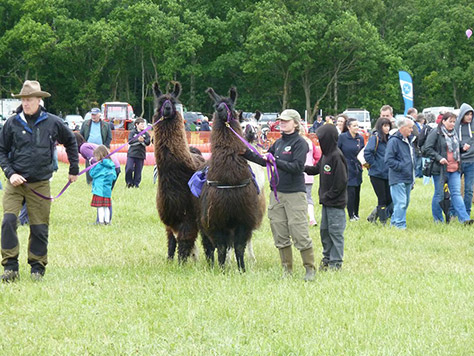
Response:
column 31, row 88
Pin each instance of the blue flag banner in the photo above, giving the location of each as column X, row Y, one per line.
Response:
column 406, row 84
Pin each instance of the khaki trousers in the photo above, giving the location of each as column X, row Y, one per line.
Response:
column 288, row 220
column 38, row 213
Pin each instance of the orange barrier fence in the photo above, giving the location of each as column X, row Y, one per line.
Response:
column 200, row 140
column 122, row 157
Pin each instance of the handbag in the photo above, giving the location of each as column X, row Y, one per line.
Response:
column 360, row 155
column 361, row 158
column 428, row 168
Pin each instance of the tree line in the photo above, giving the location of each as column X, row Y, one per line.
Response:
column 307, row 55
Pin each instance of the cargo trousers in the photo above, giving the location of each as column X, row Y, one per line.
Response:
column 288, row 220
column 38, row 212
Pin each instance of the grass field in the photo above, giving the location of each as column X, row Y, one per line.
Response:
column 109, row 290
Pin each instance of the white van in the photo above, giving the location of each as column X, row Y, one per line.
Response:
column 432, row 113
column 362, row 116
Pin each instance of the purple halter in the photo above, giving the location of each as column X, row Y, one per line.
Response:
column 272, row 171
column 162, row 106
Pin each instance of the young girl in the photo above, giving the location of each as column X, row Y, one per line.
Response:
column 103, row 175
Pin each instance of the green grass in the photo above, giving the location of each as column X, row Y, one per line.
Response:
column 109, row 289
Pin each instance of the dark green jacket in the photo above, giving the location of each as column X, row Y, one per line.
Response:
column 105, row 131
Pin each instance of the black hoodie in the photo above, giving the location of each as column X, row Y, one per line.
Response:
column 332, row 169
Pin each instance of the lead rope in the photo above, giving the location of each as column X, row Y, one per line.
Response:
column 90, row 167
column 272, row 171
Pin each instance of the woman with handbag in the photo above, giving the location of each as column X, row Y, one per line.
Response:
column 374, row 154
column 350, row 143
column 443, row 148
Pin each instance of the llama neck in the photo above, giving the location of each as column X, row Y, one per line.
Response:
column 223, row 139
column 171, row 143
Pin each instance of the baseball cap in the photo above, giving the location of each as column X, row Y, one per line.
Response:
column 95, row 111
column 290, row 114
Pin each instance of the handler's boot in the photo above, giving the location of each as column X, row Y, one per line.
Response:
column 382, row 213
column 286, row 256
column 308, row 262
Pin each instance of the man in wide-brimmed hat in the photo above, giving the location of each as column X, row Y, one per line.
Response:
column 27, row 143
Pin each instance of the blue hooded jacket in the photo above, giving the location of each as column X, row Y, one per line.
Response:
column 374, row 155
column 103, row 175
column 399, row 159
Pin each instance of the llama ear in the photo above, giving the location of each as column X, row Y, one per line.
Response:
column 177, row 90
column 213, row 95
column 241, row 116
column 258, row 114
column 156, row 90
column 233, row 94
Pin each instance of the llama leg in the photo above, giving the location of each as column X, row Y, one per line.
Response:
column 208, row 248
column 194, row 253
column 242, row 235
column 250, row 251
column 229, row 254
column 221, row 240
column 186, row 240
column 221, row 254
column 171, row 243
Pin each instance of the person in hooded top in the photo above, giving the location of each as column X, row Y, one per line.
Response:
column 332, row 170
column 463, row 127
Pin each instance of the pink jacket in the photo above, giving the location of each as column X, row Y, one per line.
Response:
column 312, row 157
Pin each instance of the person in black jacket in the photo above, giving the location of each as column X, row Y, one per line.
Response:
column 374, row 155
column 351, row 143
column 27, row 145
column 444, row 148
column 288, row 214
column 332, row 170
column 136, row 154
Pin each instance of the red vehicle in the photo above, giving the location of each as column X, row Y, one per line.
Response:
column 121, row 114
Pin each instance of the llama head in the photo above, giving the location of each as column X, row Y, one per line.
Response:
column 165, row 104
column 224, row 105
column 250, row 133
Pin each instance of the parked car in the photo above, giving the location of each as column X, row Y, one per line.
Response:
column 74, row 122
column 267, row 118
column 193, row 120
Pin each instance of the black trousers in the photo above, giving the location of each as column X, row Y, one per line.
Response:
column 133, row 171
column 353, row 201
column 382, row 191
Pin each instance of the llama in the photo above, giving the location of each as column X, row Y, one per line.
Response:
column 231, row 207
column 177, row 207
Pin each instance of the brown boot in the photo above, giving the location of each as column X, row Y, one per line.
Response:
column 286, row 256
column 308, row 262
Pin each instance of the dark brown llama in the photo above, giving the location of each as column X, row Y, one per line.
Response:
column 177, row 207
column 231, row 207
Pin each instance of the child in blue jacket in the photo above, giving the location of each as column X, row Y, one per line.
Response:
column 103, row 175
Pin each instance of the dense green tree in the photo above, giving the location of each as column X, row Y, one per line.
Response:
column 328, row 55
